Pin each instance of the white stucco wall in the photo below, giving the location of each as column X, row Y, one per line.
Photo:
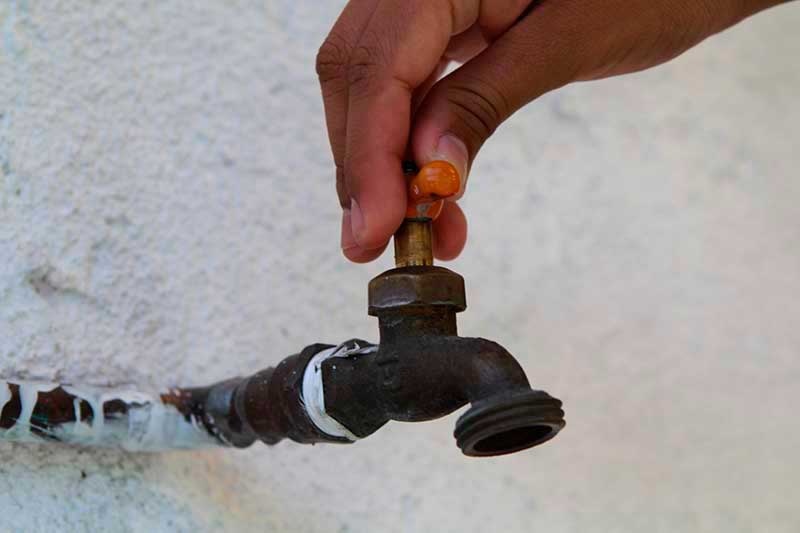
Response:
column 165, row 183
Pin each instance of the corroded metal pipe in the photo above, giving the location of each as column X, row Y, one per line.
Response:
column 90, row 416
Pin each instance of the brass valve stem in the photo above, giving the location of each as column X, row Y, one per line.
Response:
column 413, row 243
column 427, row 188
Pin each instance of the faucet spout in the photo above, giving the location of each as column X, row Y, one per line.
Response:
column 427, row 377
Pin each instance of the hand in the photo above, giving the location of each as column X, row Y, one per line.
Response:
column 379, row 70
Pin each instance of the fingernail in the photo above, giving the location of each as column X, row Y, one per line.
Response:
column 348, row 242
column 356, row 219
column 453, row 150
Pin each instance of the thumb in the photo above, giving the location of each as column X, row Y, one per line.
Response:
column 464, row 108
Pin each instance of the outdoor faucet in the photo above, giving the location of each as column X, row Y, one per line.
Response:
column 421, row 370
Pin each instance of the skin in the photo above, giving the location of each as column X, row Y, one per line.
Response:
column 385, row 100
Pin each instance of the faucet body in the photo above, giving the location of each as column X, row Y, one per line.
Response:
column 421, row 370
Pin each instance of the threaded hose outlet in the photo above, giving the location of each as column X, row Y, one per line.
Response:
column 509, row 422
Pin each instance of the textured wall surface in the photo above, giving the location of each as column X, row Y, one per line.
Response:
column 167, row 215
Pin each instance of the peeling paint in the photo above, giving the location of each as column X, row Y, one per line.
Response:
column 121, row 418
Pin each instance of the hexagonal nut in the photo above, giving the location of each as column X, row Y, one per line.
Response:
column 416, row 286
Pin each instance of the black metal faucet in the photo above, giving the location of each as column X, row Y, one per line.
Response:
column 423, row 370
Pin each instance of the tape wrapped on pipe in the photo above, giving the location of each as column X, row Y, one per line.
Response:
column 314, row 391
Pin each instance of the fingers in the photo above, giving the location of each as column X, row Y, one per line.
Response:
column 449, row 232
column 374, row 66
column 466, row 45
column 494, row 18
column 331, row 64
column 497, row 16
column 376, row 59
column 421, row 91
column 377, row 54
column 351, row 249
column 400, row 48
column 539, row 53
column 449, row 237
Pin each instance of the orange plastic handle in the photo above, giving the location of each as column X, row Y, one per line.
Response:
column 429, row 187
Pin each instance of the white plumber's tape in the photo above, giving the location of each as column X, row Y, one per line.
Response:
column 314, row 392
